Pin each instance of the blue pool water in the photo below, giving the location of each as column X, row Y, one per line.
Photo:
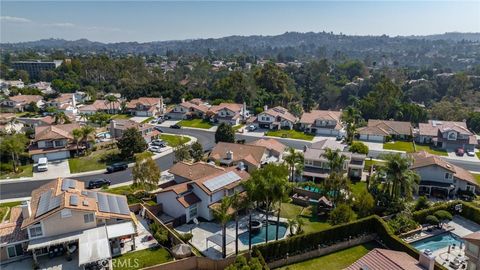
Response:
column 260, row 236
column 437, row 242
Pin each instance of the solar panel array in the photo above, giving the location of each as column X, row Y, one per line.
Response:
column 68, row 183
column 222, row 180
column 112, row 204
column 74, row 200
column 47, row 203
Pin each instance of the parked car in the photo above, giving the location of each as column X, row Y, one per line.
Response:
column 42, row 165
column 98, row 183
column 115, row 167
column 251, row 128
column 470, row 153
column 158, row 129
column 460, row 152
column 175, row 126
column 158, row 143
column 155, row 149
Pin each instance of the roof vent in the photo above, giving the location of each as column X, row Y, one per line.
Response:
column 74, row 200
column 85, row 203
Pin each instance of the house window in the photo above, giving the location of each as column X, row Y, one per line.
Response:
column 35, row 230
column 48, row 144
column 192, row 211
column 448, row 175
column 452, row 136
column 14, row 251
column 88, row 218
column 66, row 213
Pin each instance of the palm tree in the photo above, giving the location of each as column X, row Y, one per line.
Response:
column 280, row 189
column 222, row 214
column 351, row 116
column 292, row 222
column 77, row 136
column 401, row 181
column 294, row 158
column 336, row 179
column 300, row 224
column 249, row 203
column 87, row 134
column 111, row 99
column 236, row 205
column 84, row 116
column 60, row 117
column 335, row 160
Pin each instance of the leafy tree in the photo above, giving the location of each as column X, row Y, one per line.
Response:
column 473, row 122
column 402, row 223
column 364, row 204
column 225, row 133
column 432, row 220
column 422, row 203
column 358, row 147
column 443, row 216
column 145, row 172
column 341, row 214
column 196, row 151
column 131, row 143
column 351, row 116
column 223, row 215
column 182, row 153
column 241, row 263
column 15, row 145
column 383, row 102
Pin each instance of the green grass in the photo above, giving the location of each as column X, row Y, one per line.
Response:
column 478, row 155
column 195, row 123
column 399, row 146
column 121, row 116
column 95, row 161
column 24, row 171
column 477, row 177
column 357, row 188
column 337, row 260
column 291, row 134
column 369, row 163
column 5, row 209
column 429, row 149
column 148, row 120
column 237, row 127
column 141, row 259
column 290, row 210
column 174, row 140
column 312, row 223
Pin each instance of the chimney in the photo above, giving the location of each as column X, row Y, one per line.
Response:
column 183, row 100
column 26, row 209
column 427, row 261
column 229, row 155
column 265, row 107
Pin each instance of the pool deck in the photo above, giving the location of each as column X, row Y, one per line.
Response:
column 206, row 229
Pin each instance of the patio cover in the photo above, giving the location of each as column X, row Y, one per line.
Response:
column 217, row 239
column 53, row 240
column 120, row 229
column 93, row 246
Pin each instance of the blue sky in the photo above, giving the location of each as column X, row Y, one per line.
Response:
column 113, row 21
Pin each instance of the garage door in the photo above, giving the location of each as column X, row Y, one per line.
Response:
column 52, row 156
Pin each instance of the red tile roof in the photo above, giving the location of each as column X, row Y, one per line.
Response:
column 384, row 259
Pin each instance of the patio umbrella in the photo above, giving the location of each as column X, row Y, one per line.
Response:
column 182, row 251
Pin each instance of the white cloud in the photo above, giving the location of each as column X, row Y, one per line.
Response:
column 14, row 19
column 64, row 24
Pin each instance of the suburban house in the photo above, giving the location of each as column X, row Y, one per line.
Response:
column 44, row 87
column 322, row 122
column 382, row 130
column 274, row 147
column 101, row 105
column 117, row 127
column 316, row 165
column 10, row 124
column 472, row 250
column 64, row 102
column 196, row 188
column 146, row 106
column 379, row 258
column 31, row 123
column 446, row 135
column 53, row 142
column 275, row 118
column 20, row 103
column 230, row 113
column 62, row 215
column 194, row 108
column 251, row 157
column 441, row 178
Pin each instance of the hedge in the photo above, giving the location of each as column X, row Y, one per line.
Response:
column 469, row 211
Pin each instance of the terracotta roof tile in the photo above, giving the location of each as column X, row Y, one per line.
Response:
column 385, row 127
column 270, row 144
column 254, row 153
column 384, row 259
column 26, row 99
column 309, row 118
column 281, row 112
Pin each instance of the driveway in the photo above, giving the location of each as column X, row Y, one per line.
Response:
column 168, row 123
column 57, row 168
column 452, row 155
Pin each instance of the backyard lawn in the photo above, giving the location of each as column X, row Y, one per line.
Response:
column 312, row 224
column 5, row 209
column 292, row 134
column 121, row 116
column 97, row 160
column 429, row 149
column 357, row 188
column 477, row 177
column 24, row 171
column 174, row 140
column 142, row 258
column 399, row 146
column 195, row 123
column 337, row 260
column 370, row 162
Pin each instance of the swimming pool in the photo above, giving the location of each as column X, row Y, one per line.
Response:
column 260, row 236
column 437, row 242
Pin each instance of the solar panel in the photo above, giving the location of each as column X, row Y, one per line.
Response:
column 47, row 203
column 68, row 183
column 74, row 200
column 102, row 202
column 123, row 205
column 112, row 204
column 222, row 180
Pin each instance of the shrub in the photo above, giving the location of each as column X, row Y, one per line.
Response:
column 341, row 214
column 358, row 147
column 186, row 237
column 432, row 220
column 402, row 223
column 443, row 215
column 422, row 203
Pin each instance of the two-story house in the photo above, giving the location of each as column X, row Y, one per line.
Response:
column 322, row 122
column 275, row 118
column 20, row 103
column 251, row 157
column 451, row 137
column 472, row 250
column 275, row 148
column 146, row 106
column 382, row 130
column 63, row 215
column 195, row 108
column 64, row 102
column 230, row 113
column 53, row 142
column 316, row 164
column 101, row 105
column 119, row 126
column 196, row 188
column 439, row 177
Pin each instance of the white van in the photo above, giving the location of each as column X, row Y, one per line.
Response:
column 42, row 164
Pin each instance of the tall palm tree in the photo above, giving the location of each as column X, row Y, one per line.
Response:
column 401, row 180
column 351, row 116
column 77, row 136
column 281, row 190
column 292, row 160
column 60, row 117
column 84, row 117
column 335, row 160
column 236, row 205
column 111, row 99
column 222, row 214
column 87, row 134
column 252, row 196
column 336, row 179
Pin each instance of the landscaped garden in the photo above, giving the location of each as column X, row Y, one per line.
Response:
column 97, row 160
column 23, row 171
column 142, row 258
column 196, row 123
column 290, row 133
column 121, row 116
column 174, row 140
column 430, row 149
column 134, row 194
column 370, row 162
column 311, row 223
column 337, row 260
column 399, row 146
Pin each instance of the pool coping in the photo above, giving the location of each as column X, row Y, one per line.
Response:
column 450, row 229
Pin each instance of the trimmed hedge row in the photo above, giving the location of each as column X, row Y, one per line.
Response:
column 469, row 211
